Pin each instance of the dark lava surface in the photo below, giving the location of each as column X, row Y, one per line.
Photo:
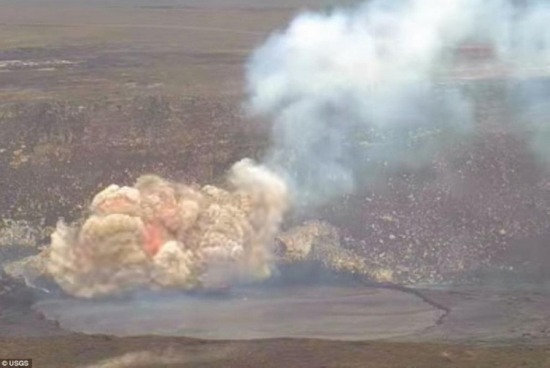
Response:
column 337, row 313
column 312, row 311
column 470, row 335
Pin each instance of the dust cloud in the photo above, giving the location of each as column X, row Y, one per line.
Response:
column 161, row 234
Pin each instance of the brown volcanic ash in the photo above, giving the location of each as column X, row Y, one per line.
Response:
column 161, row 234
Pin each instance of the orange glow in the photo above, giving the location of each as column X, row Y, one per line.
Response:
column 153, row 238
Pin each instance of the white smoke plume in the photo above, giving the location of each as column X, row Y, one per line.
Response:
column 161, row 234
column 368, row 89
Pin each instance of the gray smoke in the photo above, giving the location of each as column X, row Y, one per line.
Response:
column 356, row 93
column 525, row 46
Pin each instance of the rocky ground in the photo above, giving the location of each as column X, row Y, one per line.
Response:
column 94, row 92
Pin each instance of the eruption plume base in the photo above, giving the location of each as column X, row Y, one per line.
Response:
column 161, row 234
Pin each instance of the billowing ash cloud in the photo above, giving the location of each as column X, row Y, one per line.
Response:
column 162, row 234
column 359, row 91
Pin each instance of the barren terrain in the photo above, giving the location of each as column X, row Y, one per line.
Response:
column 98, row 92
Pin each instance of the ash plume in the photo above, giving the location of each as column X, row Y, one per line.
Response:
column 356, row 93
column 161, row 234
